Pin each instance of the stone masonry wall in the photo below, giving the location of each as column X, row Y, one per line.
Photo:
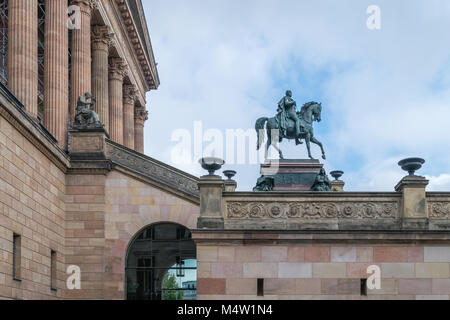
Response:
column 322, row 271
column 88, row 219
column 85, row 225
column 32, row 206
column 132, row 205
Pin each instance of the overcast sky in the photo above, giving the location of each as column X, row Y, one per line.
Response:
column 385, row 93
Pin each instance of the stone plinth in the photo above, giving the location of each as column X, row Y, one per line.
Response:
column 414, row 203
column 88, row 143
column 337, row 185
column 211, row 188
column 292, row 174
column 230, row 185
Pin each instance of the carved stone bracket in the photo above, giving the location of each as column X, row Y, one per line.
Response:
column 312, row 210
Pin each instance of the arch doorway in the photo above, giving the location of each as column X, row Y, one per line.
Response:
column 161, row 264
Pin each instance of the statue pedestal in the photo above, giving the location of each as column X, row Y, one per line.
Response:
column 292, row 174
column 88, row 144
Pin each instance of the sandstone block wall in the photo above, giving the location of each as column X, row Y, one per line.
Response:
column 84, row 233
column 322, row 271
column 130, row 206
column 88, row 219
column 31, row 205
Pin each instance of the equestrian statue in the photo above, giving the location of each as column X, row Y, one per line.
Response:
column 290, row 124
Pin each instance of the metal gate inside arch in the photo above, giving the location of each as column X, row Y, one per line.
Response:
column 161, row 264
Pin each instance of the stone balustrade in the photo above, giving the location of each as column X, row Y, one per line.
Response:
column 409, row 208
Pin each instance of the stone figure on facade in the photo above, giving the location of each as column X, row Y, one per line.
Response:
column 322, row 183
column 264, row 183
column 85, row 116
column 290, row 124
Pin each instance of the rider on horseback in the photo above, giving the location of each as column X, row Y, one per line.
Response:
column 287, row 110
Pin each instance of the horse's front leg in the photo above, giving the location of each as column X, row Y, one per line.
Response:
column 314, row 140
column 308, row 145
column 279, row 151
column 269, row 142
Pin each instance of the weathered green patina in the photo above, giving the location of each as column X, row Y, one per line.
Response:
column 290, row 124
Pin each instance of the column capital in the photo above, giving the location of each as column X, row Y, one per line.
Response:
column 129, row 93
column 101, row 37
column 86, row 6
column 140, row 115
column 117, row 68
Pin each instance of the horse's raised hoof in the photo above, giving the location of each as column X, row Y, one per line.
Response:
column 323, row 157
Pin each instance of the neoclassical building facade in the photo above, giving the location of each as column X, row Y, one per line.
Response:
column 84, row 214
column 55, row 51
column 71, row 198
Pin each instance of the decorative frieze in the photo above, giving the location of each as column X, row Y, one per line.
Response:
column 439, row 210
column 156, row 171
column 312, row 210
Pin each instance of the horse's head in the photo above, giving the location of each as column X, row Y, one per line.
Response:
column 311, row 111
column 317, row 112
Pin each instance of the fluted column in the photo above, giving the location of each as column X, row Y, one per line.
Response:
column 56, row 70
column 101, row 37
column 23, row 52
column 115, row 88
column 140, row 116
column 80, row 79
column 129, row 96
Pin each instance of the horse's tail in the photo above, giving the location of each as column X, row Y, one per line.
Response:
column 259, row 127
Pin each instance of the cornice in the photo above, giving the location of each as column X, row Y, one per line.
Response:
column 147, row 67
column 111, row 18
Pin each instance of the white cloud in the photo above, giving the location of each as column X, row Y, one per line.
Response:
column 385, row 92
column 439, row 183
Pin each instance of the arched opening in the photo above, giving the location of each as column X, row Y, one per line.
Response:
column 161, row 264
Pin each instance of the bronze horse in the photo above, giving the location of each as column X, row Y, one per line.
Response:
column 309, row 112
